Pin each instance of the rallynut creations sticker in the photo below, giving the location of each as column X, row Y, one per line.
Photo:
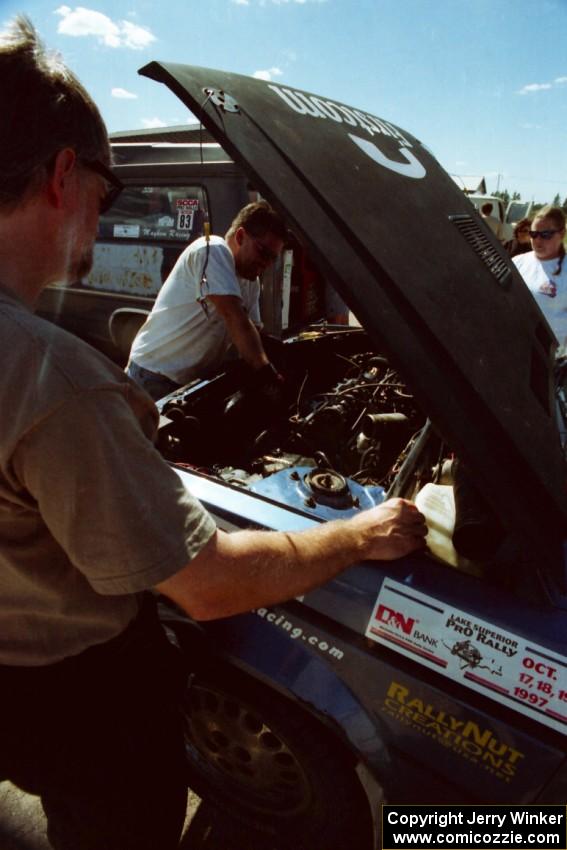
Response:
column 464, row 736
column 499, row 664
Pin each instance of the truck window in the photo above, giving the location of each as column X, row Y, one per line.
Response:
column 141, row 236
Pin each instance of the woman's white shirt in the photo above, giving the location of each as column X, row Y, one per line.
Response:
column 549, row 290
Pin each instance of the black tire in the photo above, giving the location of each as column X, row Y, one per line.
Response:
column 272, row 765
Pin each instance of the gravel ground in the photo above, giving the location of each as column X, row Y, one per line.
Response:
column 22, row 822
column 22, row 825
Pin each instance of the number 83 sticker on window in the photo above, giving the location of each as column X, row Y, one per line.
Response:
column 527, row 677
column 186, row 209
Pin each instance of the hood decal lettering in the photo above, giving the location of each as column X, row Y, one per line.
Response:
column 328, row 109
column 318, row 107
column 412, row 168
column 297, row 101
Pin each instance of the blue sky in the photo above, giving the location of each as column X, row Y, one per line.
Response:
column 482, row 82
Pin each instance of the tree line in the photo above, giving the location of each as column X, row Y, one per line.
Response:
column 506, row 197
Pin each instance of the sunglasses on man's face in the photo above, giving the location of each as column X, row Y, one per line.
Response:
column 542, row 234
column 116, row 185
column 265, row 253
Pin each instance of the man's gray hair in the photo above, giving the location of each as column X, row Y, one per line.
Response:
column 44, row 109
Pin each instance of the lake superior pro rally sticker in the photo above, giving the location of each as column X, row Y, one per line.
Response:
column 527, row 677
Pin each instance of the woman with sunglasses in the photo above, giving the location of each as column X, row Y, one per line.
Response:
column 545, row 272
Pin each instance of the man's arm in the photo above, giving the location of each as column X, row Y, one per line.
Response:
column 241, row 329
column 236, row 572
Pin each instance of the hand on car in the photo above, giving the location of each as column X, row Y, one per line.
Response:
column 393, row 529
column 264, row 389
column 269, row 385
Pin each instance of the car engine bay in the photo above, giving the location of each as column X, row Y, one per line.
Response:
column 332, row 445
column 345, row 435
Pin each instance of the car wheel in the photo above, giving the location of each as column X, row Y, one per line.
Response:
column 272, row 764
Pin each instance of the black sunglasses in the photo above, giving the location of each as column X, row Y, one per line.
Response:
column 116, row 185
column 265, row 253
column 542, row 234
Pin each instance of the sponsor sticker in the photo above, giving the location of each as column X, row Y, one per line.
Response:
column 186, row 209
column 527, row 677
column 126, row 231
column 464, row 736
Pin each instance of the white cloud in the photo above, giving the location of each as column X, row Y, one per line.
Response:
column 152, row 123
column 268, row 74
column 136, row 37
column 560, row 80
column 532, row 87
column 123, row 94
column 241, row 2
column 88, row 22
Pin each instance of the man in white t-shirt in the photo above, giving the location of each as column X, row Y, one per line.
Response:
column 210, row 302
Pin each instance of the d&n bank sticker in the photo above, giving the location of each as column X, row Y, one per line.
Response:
column 525, row 676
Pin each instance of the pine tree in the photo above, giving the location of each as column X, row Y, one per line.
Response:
column 504, row 197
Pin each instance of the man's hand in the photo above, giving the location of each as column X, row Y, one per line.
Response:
column 393, row 529
column 268, row 375
column 262, row 394
column 269, row 385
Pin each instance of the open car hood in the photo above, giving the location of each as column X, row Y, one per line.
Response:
column 411, row 258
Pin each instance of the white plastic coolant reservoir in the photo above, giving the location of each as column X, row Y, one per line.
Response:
column 437, row 504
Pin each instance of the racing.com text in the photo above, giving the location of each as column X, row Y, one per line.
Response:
column 297, row 633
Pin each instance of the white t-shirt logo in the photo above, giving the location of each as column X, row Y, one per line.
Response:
column 548, row 288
